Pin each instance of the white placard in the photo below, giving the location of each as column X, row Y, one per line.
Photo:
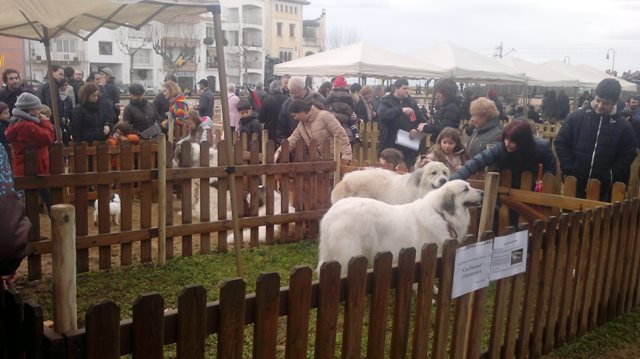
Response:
column 403, row 139
column 473, row 264
column 509, row 255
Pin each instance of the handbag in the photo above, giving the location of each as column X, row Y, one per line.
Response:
column 14, row 232
column 151, row 132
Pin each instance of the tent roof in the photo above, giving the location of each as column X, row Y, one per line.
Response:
column 588, row 76
column 538, row 75
column 467, row 65
column 28, row 18
column 359, row 59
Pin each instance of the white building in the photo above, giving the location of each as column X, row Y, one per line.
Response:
column 246, row 24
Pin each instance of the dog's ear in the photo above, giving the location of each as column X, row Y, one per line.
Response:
column 449, row 203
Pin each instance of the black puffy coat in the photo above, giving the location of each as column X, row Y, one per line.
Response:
column 340, row 104
column 596, row 146
column 449, row 115
column 498, row 157
column 140, row 116
column 269, row 112
column 87, row 123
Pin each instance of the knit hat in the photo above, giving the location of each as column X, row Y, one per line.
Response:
column 340, row 82
column 107, row 71
column 28, row 101
column 609, row 89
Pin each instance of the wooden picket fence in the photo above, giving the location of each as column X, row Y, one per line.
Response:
column 304, row 182
column 583, row 269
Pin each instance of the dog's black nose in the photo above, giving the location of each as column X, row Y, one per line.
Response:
column 443, row 181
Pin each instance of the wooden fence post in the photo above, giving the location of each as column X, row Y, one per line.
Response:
column 162, row 200
column 64, row 268
column 486, row 224
column 336, row 157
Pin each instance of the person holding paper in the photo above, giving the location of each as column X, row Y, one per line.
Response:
column 399, row 112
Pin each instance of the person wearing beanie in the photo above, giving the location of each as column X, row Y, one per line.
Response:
column 29, row 128
column 340, row 82
column 595, row 142
column 111, row 90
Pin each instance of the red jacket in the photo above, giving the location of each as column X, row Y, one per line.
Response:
column 27, row 133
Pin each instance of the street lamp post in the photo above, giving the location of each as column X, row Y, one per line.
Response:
column 613, row 59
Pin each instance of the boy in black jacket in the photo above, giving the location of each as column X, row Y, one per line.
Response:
column 249, row 123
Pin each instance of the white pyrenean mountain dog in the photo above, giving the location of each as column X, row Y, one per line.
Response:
column 391, row 187
column 363, row 226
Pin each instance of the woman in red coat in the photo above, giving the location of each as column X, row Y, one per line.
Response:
column 27, row 128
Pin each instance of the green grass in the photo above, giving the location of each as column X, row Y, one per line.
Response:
column 123, row 285
column 619, row 338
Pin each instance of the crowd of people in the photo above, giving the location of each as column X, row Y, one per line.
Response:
column 599, row 140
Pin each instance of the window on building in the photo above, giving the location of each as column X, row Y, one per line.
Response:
column 292, row 30
column 142, row 57
column 309, row 32
column 232, row 38
column 212, row 59
column 210, row 32
column 66, row 45
column 105, row 48
column 285, row 55
column 279, row 29
column 295, row 9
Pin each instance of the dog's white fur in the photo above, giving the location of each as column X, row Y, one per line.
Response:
column 114, row 210
column 391, row 187
column 363, row 226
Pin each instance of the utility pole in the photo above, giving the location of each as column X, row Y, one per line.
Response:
column 500, row 51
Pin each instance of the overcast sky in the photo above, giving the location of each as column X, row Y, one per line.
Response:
column 539, row 30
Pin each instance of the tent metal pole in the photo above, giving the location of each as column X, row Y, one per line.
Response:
column 222, row 75
column 53, row 89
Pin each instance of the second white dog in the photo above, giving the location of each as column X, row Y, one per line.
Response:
column 390, row 187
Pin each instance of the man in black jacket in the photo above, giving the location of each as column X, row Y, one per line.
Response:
column 111, row 89
column 398, row 111
column 596, row 142
column 270, row 109
column 12, row 89
column 205, row 106
column 298, row 91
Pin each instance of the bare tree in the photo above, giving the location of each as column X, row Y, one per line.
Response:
column 241, row 57
column 130, row 41
column 339, row 37
column 176, row 43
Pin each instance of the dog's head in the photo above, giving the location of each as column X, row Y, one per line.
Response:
column 434, row 175
column 458, row 194
column 195, row 154
column 115, row 198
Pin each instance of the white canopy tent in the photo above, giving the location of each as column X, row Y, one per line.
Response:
column 359, row 60
column 538, row 75
column 42, row 20
column 587, row 76
column 469, row 66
